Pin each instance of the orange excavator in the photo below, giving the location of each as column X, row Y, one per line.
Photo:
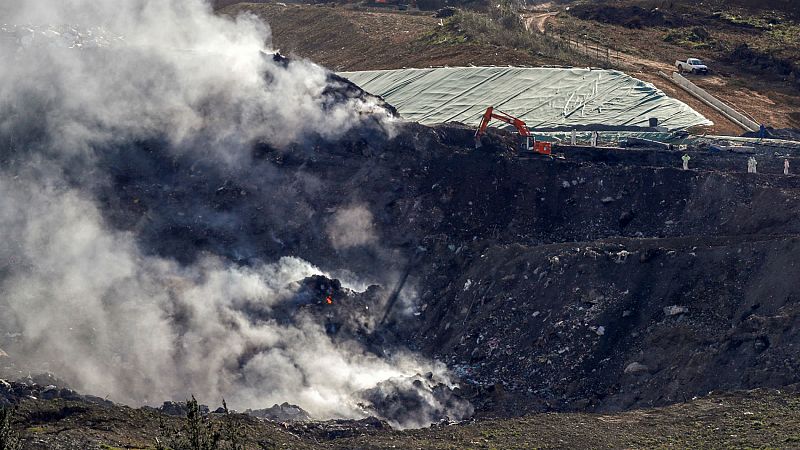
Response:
column 530, row 144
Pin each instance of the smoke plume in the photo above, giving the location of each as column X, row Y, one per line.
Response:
column 84, row 298
column 351, row 227
column 141, row 329
column 90, row 72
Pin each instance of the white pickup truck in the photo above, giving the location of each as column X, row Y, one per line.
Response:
column 692, row 65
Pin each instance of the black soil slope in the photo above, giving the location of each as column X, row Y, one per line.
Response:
column 603, row 281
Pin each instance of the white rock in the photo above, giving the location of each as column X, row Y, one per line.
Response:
column 674, row 310
column 636, row 367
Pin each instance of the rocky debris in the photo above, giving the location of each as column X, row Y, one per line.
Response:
column 341, row 89
column 447, row 11
column 180, row 409
column 636, row 367
column 513, row 263
column 411, row 402
column 544, row 266
column 336, row 429
column 626, row 218
column 281, row 413
column 320, row 289
column 345, row 313
column 13, row 392
column 44, row 379
column 675, row 310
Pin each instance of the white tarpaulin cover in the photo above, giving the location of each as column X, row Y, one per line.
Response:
column 542, row 97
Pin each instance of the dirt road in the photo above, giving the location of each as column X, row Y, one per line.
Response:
column 347, row 39
column 641, row 67
column 537, row 21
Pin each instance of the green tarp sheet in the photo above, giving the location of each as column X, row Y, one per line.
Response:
column 542, row 97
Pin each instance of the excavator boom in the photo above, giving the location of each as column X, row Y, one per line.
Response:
column 521, row 127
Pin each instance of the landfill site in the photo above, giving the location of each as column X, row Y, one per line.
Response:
column 213, row 245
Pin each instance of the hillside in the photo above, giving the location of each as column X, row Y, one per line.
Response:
column 752, row 52
column 344, row 38
column 188, row 214
column 351, row 38
column 740, row 420
column 590, row 288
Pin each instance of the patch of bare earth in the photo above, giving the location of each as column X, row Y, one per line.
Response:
column 644, row 52
column 344, row 38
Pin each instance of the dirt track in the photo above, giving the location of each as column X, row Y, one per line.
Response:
column 537, row 21
column 640, row 67
column 346, row 39
column 644, row 52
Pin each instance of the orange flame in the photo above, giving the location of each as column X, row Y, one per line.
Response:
column 329, row 300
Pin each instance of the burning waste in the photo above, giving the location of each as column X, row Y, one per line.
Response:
column 156, row 232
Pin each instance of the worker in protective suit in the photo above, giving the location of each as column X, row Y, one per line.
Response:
column 751, row 165
column 686, row 159
column 786, row 166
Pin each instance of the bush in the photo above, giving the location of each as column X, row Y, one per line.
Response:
column 200, row 433
column 8, row 438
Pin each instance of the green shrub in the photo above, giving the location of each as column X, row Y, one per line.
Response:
column 8, row 438
column 502, row 27
column 199, row 432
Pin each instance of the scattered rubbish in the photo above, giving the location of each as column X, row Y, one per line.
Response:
column 675, row 310
column 281, row 413
column 636, row 367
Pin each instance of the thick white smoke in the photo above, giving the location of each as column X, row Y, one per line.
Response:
column 88, row 303
column 351, row 227
column 142, row 329
column 105, row 70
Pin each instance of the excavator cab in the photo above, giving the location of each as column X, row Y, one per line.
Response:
column 527, row 141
